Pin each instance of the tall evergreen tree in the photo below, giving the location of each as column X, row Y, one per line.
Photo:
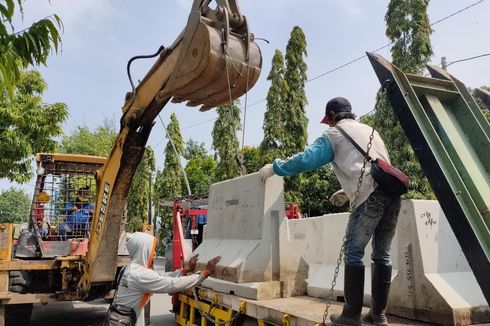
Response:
column 294, row 117
column 409, row 28
column 140, row 191
column 168, row 183
column 272, row 146
column 295, row 120
column 225, row 141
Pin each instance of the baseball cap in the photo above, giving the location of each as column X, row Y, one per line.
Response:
column 337, row 105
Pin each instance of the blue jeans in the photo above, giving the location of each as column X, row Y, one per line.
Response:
column 376, row 218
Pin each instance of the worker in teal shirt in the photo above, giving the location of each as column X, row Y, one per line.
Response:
column 374, row 212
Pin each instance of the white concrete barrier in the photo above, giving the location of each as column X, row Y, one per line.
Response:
column 319, row 240
column 432, row 280
column 247, row 227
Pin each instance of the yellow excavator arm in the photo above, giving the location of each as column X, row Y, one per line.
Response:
column 214, row 61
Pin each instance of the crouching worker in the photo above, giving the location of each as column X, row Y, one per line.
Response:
column 137, row 281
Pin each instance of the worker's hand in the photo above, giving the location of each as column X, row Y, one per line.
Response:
column 211, row 264
column 266, row 172
column 191, row 265
column 339, row 198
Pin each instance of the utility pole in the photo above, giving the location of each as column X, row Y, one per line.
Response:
column 444, row 63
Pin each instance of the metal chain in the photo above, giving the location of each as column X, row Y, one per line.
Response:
column 343, row 248
column 208, row 315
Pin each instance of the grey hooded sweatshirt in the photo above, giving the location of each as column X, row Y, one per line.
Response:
column 139, row 281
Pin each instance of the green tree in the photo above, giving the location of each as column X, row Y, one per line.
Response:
column 272, row 145
column 294, row 119
column 317, row 187
column 30, row 46
column 409, row 28
column 14, row 206
column 98, row 142
column 252, row 158
column 478, row 96
column 193, row 149
column 139, row 192
column 168, row 182
column 27, row 126
column 225, row 141
column 201, row 173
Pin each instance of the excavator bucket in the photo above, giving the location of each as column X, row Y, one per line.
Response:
column 218, row 60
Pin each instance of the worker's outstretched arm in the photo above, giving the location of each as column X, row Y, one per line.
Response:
column 314, row 156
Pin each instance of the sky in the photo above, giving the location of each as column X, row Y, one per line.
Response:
column 100, row 36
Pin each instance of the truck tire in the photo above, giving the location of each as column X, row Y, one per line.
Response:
column 18, row 314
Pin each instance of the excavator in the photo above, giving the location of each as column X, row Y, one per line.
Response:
column 212, row 62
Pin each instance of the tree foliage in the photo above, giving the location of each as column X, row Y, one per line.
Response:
column 295, row 120
column 30, row 46
column 484, row 106
column 408, row 27
column 14, row 206
column 168, row 182
column 272, row 145
column 317, row 186
column 98, row 142
column 201, row 173
column 27, row 126
column 225, row 141
column 193, row 149
column 140, row 191
column 252, row 158
column 294, row 116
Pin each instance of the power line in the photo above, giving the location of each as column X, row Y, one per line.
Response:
column 468, row 59
column 355, row 60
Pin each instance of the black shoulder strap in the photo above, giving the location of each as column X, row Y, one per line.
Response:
column 120, row 275
column 356, row 145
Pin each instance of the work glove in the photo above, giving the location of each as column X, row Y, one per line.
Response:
column 339, row 198
column 266, row 172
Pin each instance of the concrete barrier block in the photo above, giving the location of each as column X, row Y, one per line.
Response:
column 434, row 282
column 247, row 227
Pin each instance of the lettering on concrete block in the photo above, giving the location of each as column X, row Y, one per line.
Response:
column 429, row 221
column 232, row 202
column 408, row 271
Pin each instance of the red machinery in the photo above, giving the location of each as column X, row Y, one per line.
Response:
column 188, row 223
column 293, row 212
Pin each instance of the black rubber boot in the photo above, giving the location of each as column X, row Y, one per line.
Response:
column 380, row 290
column 353, row 294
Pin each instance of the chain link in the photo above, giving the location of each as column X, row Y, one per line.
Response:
column 208, row 315
column 343, row 248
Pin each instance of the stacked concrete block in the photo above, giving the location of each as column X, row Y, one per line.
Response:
column 434, row 282
column 247, row 227
column 431, row 281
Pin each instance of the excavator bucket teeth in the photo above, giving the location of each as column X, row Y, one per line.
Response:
column 214, row 67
